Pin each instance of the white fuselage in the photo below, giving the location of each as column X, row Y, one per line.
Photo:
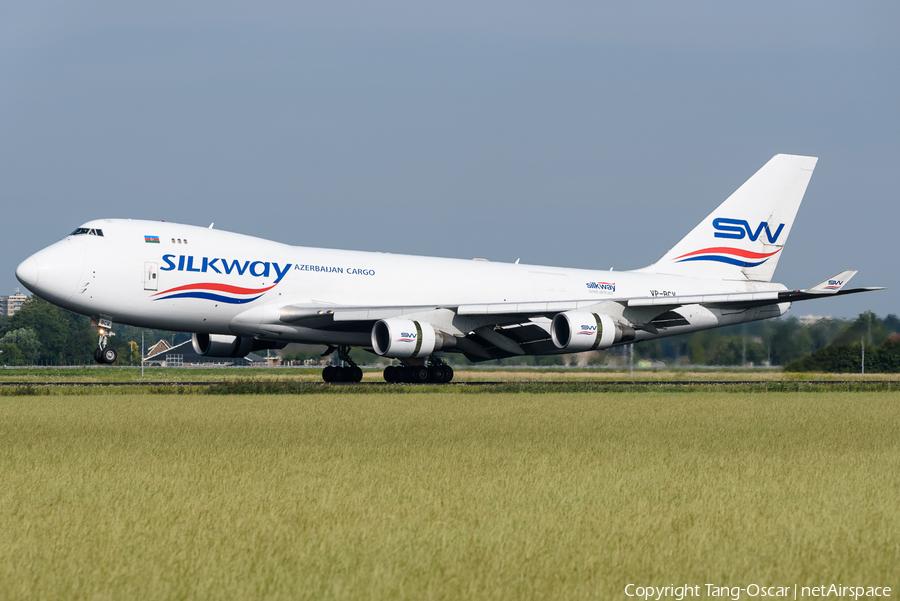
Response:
column 208, row 281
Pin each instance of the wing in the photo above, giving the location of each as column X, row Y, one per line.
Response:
column 498, row 330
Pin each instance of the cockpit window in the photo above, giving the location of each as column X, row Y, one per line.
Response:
column 90, row 232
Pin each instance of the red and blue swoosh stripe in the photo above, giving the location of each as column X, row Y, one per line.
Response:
column 223, row 293
column 727, row 254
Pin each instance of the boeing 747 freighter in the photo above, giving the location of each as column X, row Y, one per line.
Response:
column 239, row 294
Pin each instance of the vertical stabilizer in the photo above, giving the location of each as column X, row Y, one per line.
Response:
column 743, row 238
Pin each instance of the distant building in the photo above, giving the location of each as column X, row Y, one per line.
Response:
column 808, row 320
column 10, row 305
column 159, row 347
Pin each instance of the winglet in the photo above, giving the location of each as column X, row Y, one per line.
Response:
column 833, row 284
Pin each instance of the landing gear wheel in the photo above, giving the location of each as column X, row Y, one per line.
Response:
column 418, row 374
column 333, row 373
column 396, row 374
column 441, row 374
column 97, row 356
column 108, row 355
column 351, row 373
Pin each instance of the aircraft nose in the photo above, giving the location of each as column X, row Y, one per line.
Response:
column 27, row 273
column 53, row 273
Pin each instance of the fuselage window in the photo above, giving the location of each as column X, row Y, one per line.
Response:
column 173, row 240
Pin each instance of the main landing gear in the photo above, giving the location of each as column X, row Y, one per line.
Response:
column 103, row 353
column 341, row 373
column 437, row 372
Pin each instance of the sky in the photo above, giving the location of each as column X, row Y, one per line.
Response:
column 578, row 134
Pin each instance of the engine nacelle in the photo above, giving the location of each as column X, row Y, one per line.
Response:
column 579, row 331
column 405, row 338
column 220, row 345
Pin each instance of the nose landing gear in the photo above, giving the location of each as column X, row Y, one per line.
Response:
column 341, row 373
column 104, row 353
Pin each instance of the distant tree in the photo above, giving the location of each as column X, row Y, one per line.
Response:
column 300, row 355
column 651, row 349
column 788, row 340
column 847, row 358
column 892, row 323
column 134, row 353
column 46, row 321
column 838, row 358
column 698, row 344
column 11, row 355
column 735, row 350
column 63, row 335
column 823, row 332
column 866, row 327
column 20, row 347
column 887, row 357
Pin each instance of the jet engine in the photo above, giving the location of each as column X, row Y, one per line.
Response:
column 405, row 338
column 579, row 331
column 220, row 345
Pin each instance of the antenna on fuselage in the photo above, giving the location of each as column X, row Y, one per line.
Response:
column 211, row 224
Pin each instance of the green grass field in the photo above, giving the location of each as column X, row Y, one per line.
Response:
column 444, row 496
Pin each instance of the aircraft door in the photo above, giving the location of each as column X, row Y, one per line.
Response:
column 151, row 270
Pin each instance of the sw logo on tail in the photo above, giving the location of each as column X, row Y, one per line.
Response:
column 738, row 229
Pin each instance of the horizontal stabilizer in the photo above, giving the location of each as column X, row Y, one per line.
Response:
column 750, row 299
column 745, row 299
